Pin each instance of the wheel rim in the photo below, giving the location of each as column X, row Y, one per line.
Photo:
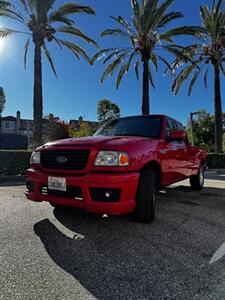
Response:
column 201, row 176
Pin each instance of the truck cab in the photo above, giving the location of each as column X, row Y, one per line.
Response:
column 117, row 170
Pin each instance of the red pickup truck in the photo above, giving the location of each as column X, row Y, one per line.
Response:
column 119, row 169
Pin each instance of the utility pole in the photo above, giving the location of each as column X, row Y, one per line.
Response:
column 192, row 126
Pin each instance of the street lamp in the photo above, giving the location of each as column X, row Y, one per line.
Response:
column 192, row 127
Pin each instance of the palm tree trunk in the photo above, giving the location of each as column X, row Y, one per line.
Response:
column 145, row 90
column 38, row 98
column 218, row 110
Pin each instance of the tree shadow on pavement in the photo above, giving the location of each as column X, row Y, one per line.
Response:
column 115, row 258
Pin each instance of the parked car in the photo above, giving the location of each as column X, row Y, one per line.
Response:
column 119, row 169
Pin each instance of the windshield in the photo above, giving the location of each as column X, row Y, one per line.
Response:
column 132, row 126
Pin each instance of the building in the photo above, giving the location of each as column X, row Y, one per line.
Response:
column 76, row 124
column 17, row 133
column 20, row 131
column 16, row 125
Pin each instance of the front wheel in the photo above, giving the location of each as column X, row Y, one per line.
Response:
column 146, row 197
column 197, row 181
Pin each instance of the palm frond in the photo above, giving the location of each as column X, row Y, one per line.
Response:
column 72, row 8
column 4, row 32
column 160, row 11
column 165, row 62
column 111, row 67
column 193, row 80
column 108, row 51
column 205, row 77
column 136, row 8
column 154, row 61
column 57, row 42
column 173, row 15
column 114, row 54
column 115, row 31
column 179, row 53
column 181, row 77
column 132, row 55
column 184, row 30
column 60, row 19
column 124, row 23
column 136, row 68
column 125, row 68
column 55, row 16
column 48, row 56
column 42, row 9
column 122, row 71
column 26, row 47
column 75, row 31
column 4, row 4
column 11, row 13
column 75, row 49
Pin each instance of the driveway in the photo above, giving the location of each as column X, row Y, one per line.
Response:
column 48, row 253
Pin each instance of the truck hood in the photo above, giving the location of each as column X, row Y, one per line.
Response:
column 98, row 141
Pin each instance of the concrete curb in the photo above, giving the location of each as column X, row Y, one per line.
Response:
column 215, row 171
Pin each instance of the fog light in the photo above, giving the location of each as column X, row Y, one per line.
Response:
column 108, row 195
column 105, row 195
column 30, row 186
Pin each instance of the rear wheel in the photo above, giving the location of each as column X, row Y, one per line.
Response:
column 146, row 197
column 197, row 181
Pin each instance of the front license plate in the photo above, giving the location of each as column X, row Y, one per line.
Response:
column 57, row 184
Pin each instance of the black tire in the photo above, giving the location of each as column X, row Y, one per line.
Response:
column 197, row 181
column 146, row 197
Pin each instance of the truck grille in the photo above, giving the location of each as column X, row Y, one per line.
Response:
column 65, row 159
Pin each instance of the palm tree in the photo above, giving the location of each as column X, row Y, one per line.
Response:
column 209, row 52
column 147, row 38
column 2, row 100
column 43, row 23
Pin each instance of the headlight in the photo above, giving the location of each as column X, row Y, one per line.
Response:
column 35, row 158
column 112, row 158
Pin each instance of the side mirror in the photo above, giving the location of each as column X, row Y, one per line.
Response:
column 177, row 135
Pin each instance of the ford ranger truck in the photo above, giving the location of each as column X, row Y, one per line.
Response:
column 117, row 170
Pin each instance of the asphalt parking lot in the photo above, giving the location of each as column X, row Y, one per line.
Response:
column 49, row 253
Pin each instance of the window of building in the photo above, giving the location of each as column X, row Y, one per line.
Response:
column 9, row 125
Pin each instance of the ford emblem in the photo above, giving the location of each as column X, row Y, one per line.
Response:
column 61, row 159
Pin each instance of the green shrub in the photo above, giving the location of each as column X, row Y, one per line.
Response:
column 14, row 162
column 216, row 161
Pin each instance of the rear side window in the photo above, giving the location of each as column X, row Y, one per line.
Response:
column 170, row 125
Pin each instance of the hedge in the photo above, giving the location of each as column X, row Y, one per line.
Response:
column 216, row 161
column 14, row 162
column 13, row 141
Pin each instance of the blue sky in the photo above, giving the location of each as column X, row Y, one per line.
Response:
column 76, row 91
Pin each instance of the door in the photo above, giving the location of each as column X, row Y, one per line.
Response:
column 175, row 158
